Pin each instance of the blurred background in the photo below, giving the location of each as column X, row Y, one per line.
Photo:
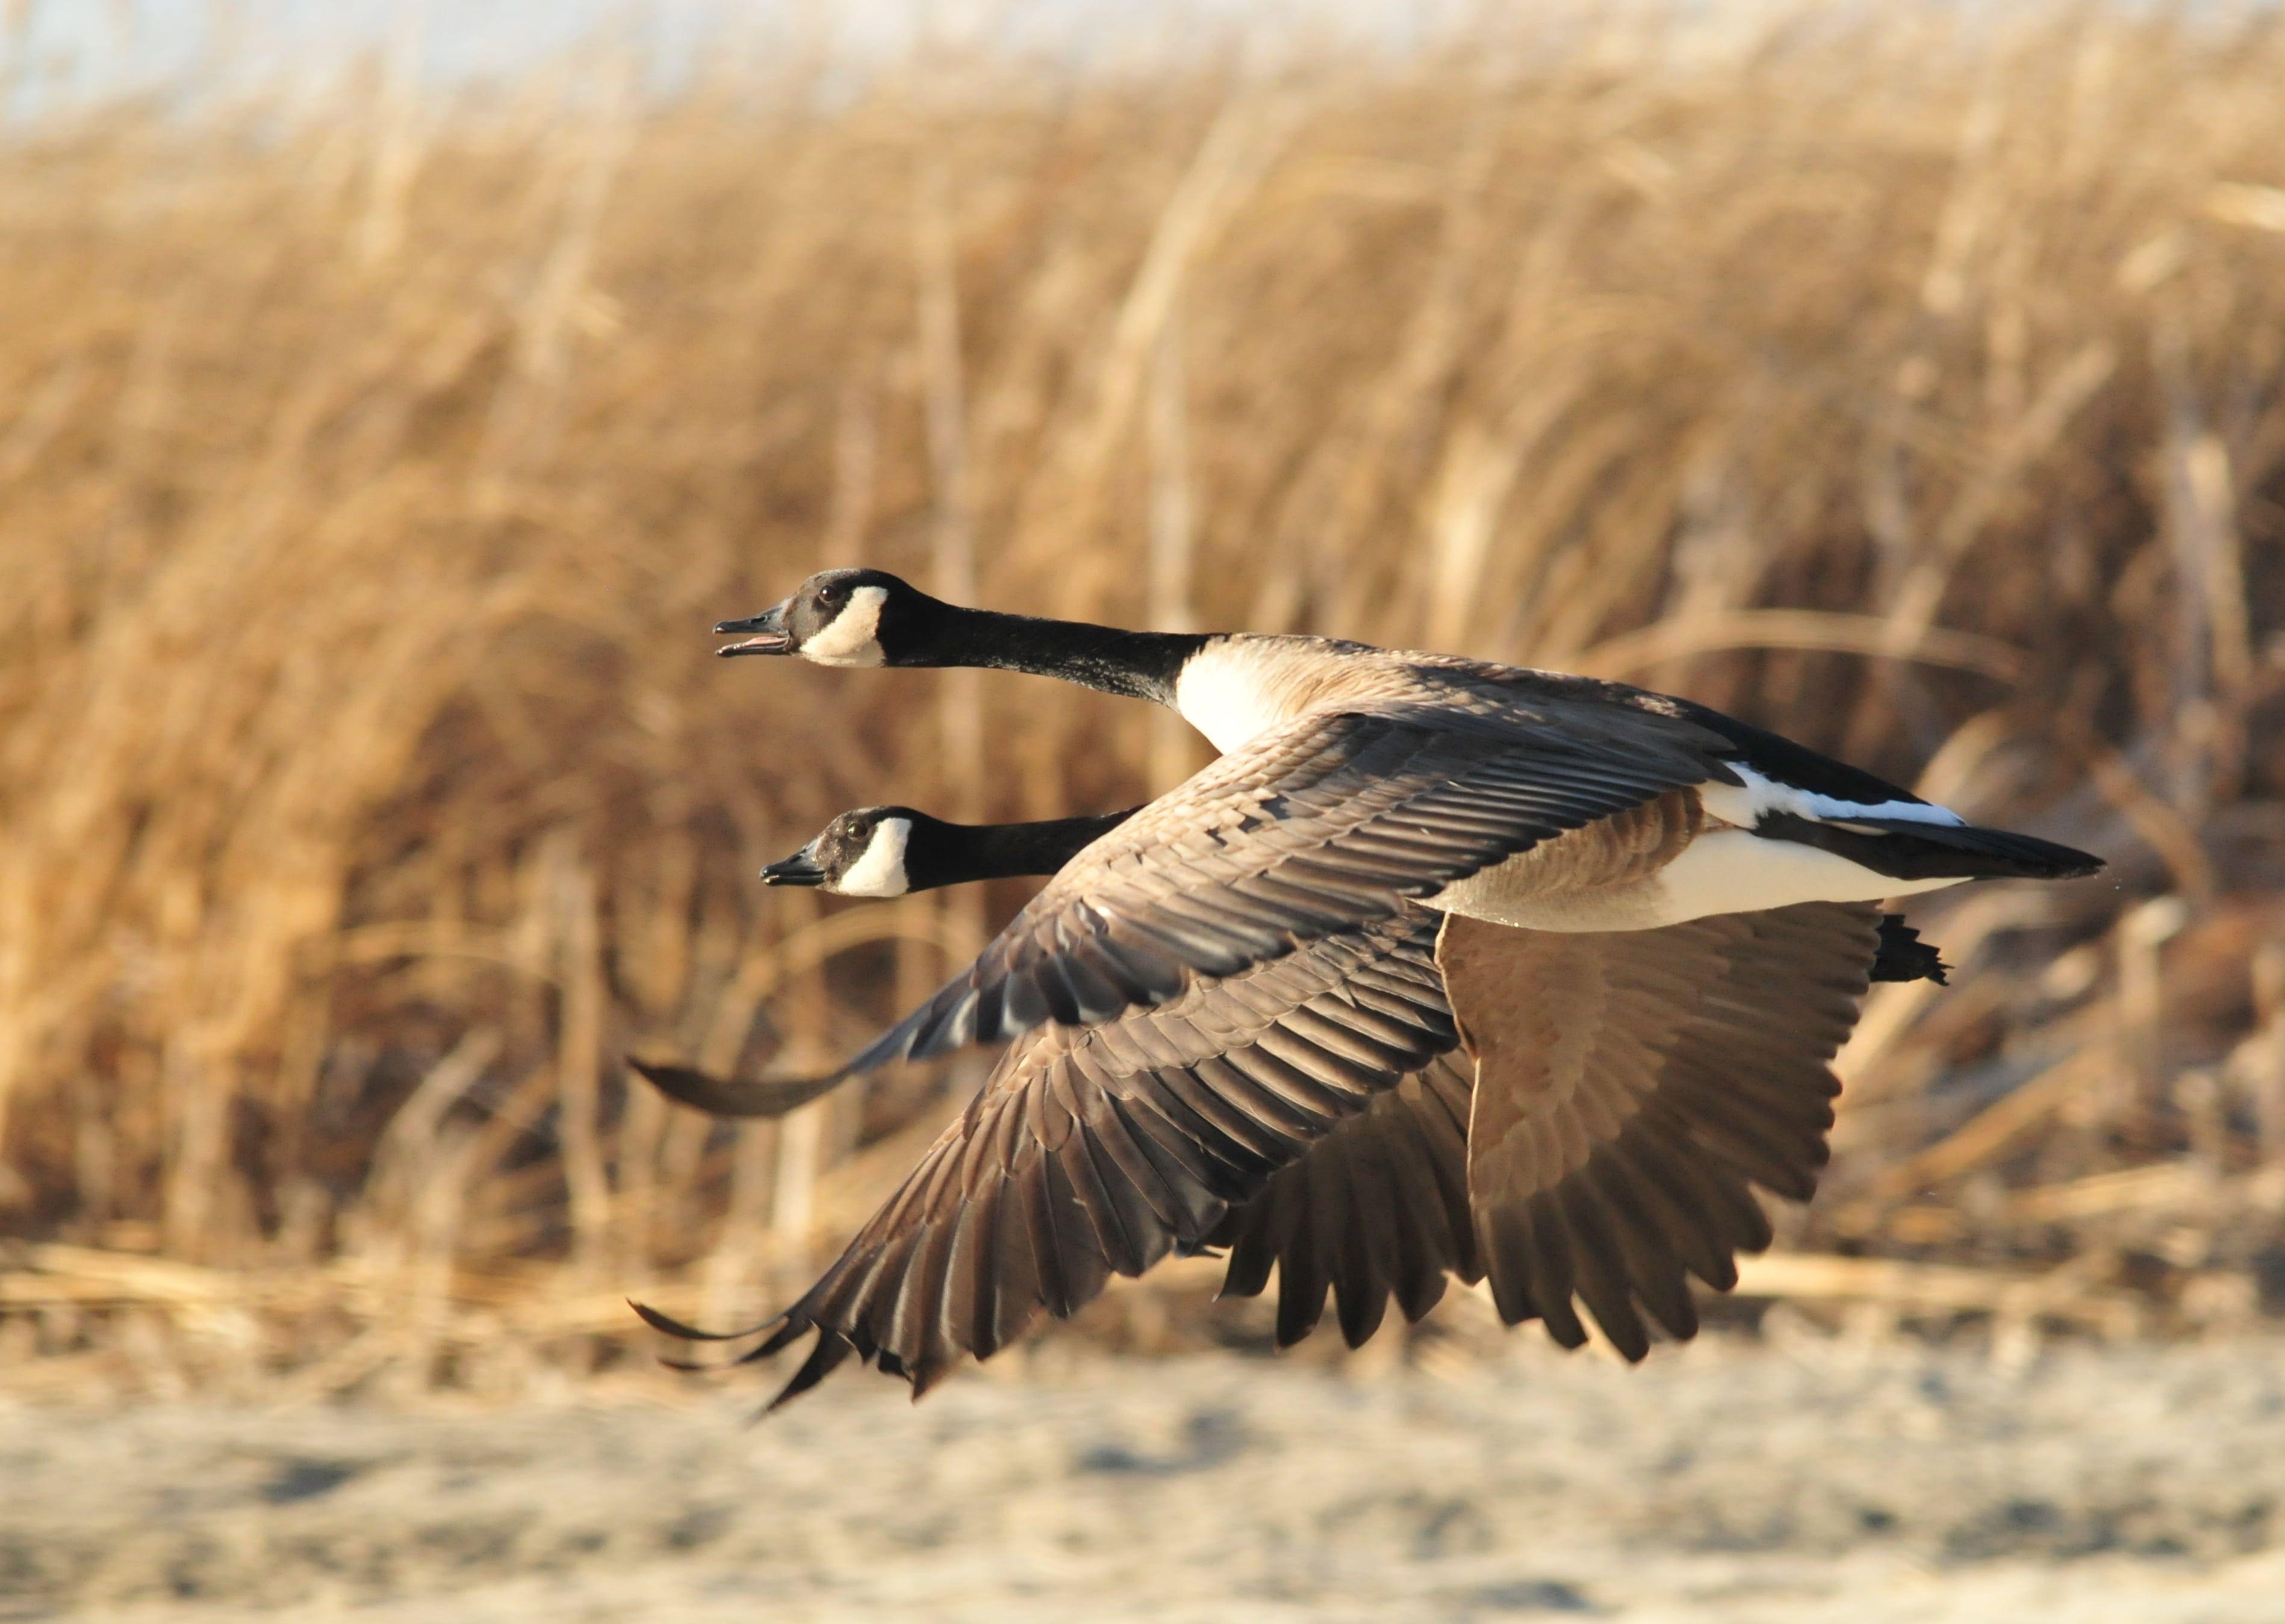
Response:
column 392, row 395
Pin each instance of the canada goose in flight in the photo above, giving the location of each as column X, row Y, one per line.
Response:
column 1357, row 779
column 889, row 851
column 1311, row 1113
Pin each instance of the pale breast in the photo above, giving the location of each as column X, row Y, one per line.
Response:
column 1235, row 688
column 1652, row 868
column 1602, row 877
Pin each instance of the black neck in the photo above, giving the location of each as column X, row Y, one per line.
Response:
column 955, row 853
column 1132, row 664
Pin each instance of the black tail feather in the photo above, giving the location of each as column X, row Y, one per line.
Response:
column 1910, row 849
column 1902, row 956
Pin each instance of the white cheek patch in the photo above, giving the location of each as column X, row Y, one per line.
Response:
column 853, row 637
column 880, row 871
column 1744, row 807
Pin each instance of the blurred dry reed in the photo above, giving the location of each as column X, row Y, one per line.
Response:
column 369, row 482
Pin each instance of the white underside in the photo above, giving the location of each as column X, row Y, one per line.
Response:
column 1727, row 871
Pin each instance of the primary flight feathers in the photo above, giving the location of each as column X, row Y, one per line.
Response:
column 1308, row 1110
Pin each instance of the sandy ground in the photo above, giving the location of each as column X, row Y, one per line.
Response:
column 1725, row 1481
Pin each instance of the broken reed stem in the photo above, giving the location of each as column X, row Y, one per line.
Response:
column 2140, row 1075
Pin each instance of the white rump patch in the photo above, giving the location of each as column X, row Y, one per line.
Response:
column 853, row 639
column 1744, row 807
column 880, row 871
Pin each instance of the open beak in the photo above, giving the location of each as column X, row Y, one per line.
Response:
column 800, row 869
column 769, row 630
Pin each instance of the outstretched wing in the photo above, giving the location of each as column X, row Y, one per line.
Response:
column 1380, row 1205
column 1376, row 1208
column 1095, row 1151
column 1634, row 1088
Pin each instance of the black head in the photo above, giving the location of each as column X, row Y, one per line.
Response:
column 889, row 851
column 844, row 618
column 868, row 853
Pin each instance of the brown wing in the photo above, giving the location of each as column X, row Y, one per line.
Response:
column 1095, row 1151
column 1379, row 1205
column 1328, row 823
column 1633, row 1087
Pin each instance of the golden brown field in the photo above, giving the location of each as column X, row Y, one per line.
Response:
column 369, row 480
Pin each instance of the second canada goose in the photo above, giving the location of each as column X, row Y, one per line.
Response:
column 889, row 851
column 892, row 850
column 1355, row 779
column 1316, row 1105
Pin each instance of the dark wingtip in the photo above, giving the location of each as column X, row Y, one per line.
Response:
column 828, row 1352
column 924, row 1376
column 720, row 1098
column 673, row 1326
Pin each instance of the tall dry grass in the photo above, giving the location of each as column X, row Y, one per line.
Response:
column 368, row 484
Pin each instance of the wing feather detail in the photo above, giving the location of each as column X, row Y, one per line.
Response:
column 1312, row 1114
column 1088, row 1155
column 1634, row 1090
